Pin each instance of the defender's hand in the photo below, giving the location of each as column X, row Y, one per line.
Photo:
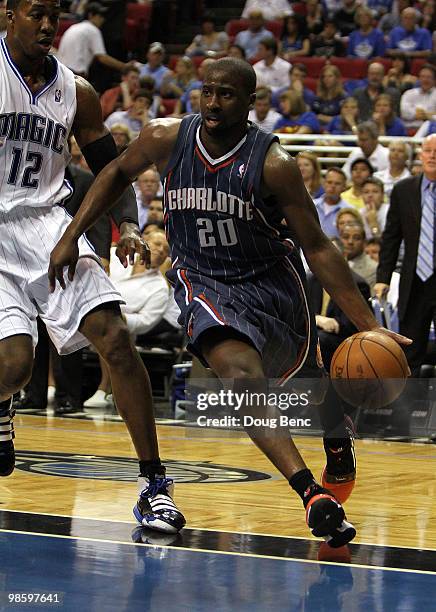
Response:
column 131, row 242
column 65, row 253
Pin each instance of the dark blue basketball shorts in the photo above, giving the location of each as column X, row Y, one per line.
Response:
column 271, row 311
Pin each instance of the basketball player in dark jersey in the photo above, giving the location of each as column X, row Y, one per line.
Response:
column 237, row 272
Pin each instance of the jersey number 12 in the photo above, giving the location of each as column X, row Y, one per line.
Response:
column 34, row 167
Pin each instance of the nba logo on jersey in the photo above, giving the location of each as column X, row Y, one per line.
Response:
column 241, row 171
column 58, row 95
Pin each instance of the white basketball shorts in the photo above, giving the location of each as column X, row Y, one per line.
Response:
column 28, row 235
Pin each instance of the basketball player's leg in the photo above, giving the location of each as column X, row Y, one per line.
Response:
column 16, row 358
column 232, row 357
column 90, row 314
column 107, row 332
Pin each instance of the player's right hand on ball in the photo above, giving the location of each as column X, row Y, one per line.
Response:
column 65, row 254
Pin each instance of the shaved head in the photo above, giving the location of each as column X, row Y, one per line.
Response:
column 237, row 68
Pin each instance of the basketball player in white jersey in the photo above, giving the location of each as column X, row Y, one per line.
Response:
column 41, row 102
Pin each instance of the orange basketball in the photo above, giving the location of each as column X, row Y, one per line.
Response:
column 369, row 369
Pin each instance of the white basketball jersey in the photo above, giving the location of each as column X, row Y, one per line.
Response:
column 33, row 136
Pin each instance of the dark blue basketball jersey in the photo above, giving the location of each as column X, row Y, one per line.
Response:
column 216, row 220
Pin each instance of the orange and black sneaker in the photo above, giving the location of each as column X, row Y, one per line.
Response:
column 339, row 475
column 326, row 518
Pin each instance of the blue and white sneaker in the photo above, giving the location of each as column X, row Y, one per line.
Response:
column 7, row 435
column 155, row 508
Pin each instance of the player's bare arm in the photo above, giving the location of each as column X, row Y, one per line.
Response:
column 282, row 178
column 152, row 146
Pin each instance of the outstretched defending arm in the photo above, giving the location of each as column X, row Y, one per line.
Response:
column 282, row 178
column 153, row 146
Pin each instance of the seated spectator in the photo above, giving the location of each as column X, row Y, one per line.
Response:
column 332, row 324
column 314, row 17
column 209, row 42
column 391, row 20
column 83, row 43
column 399, row 154
column 271, row 9
column 77, row 157
column 427, row 128
column 193, row 104
column 263, row 114
column 369, row 148
column 345, row 17
column 416, row 167
column 296, row 118
column 379, row 7
column 366, row 42
column 120, row 97
column 294, row 40
column 328, row 43
column 375, row 211
column 183, row 104
column 145, row 291
column 156, row 109
column 175, row 84
column 297, row 74
column 136, row 116
column 155, row 211
column 408, row 37
column 419, row 104
column 367, row 95
column 236, row 51
column 271, row 71
column 122, row 136
column 329, row 95
column 361, row 169
column 155, row 66
column 398, row 76
column 347, row 120
column 249, row 39
column 385, row 117
column 147, row 188
column 310, row 169
column 372, row 248
column 347, row 216
column 352, row 238
column 330, row 203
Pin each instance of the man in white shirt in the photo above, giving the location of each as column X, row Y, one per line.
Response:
column 271, row 9
column 399, row 154
column 83, row 42
column 145, row 291
column 419, row 104
column 271, row 71
column 262, row 114
column 369, row 148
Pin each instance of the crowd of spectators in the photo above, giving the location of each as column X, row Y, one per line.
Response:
column 393, row 95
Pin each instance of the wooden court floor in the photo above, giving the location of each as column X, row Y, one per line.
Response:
column 394, row 502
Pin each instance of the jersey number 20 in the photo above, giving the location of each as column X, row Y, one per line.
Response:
column 33, row 168
column 208, row 236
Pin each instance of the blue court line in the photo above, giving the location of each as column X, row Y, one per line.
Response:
column 102, row 576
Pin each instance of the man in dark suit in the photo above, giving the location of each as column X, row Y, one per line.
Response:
column 412, row 218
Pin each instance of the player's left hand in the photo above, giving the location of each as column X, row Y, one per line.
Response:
column 404, row 340
column 131, row 242
column 65, row 253
column 397, row 337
